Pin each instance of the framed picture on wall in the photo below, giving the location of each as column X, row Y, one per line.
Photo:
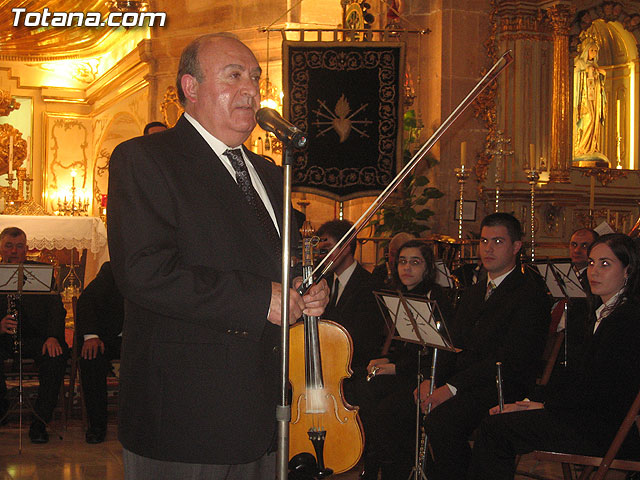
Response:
column 468, row 211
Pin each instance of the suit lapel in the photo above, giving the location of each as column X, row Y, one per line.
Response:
column 223, row 188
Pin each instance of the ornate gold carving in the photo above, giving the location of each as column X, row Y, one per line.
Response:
column 170, row 107
column 125, row 6
column 19, row 147
column 7, row 103
column 560, row 16
column 604, row 175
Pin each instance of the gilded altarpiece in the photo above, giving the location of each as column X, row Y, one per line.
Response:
column 534, row 109
column 68, row 142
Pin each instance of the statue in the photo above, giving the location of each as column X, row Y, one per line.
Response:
column 589, row 107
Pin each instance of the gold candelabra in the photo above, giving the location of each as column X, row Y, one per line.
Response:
column 75, row 206
column 533, row 176
column 500, row 143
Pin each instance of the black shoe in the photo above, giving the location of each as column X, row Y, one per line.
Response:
column 95, row 435
column 38, row 432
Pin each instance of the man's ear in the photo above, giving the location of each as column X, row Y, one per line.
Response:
column 189, row 87
column 517, row 245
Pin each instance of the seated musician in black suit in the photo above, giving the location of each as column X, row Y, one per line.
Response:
column 581, row 414
column 42, row 325
column 577, row 324
column 387, row 408
column 352, row 303
column 100, row 314
column 503, row 319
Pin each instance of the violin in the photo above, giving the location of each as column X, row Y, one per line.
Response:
column 321, row 420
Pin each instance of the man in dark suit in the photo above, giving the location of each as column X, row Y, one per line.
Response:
column 576, row 325
column 100, row 314
column 42, row 331
column 352, row 303
column 503, row 319
column 194, row 227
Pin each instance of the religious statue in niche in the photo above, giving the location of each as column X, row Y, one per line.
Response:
column 589, row 102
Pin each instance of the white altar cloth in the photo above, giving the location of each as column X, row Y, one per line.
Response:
column 58, row 232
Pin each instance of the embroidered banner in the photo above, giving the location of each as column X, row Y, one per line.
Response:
column 347, row 98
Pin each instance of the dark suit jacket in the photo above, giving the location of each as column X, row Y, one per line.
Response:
column 42, row 316
column 510, row 327
column 199, row 367
column 100, row 307
column 358, row 312
column 597, row 396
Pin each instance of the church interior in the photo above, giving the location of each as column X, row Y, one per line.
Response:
column 553, row 138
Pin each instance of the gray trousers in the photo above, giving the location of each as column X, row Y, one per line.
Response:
column 143, row 468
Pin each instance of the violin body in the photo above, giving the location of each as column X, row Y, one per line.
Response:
column 323, row 407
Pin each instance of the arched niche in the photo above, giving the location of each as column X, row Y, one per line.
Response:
column 617, row 33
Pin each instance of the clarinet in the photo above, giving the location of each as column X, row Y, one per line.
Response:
column 12, row 310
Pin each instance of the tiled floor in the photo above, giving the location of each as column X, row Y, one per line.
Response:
column 73, row 459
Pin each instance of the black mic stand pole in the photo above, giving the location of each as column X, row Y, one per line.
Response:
column 283, row 410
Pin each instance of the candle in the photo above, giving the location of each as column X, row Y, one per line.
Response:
column 592, row 193
column 532, row 156
column 463, row 154
column 10, row 154
column 618, row 117
column 27, row 151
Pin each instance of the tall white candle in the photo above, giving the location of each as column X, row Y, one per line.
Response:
column 463, row 153
column 10, row 154
column 618, row 117
column 532, row 156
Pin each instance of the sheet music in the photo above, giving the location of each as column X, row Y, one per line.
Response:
column 36, row 278
column 567, row 276
column 430, row 332
column 443, row 275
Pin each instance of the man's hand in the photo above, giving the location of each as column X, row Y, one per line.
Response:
column 439, row 395
column 90, row 348
column 313, row 302
column 52, row 347
column 381, row 366
column 8, row 325
column 516, row 407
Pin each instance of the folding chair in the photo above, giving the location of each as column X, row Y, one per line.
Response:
column 603, row 464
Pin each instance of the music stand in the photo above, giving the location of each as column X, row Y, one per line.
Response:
column 17, row 280
column 418, row 320
column 563, row 283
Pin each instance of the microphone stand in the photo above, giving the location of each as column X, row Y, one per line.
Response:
column 283, row 410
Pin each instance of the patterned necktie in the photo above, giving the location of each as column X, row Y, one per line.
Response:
column 334, row 293
column 250, row 194
column 491, row 287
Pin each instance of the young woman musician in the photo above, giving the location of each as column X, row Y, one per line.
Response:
column 390, row 425
column 582, row 414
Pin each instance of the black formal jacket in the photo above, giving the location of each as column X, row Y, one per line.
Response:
column 42, row 316
column 358, row 312
column 510, row 327
column 100, row 308
column 595, row 399
column 199, row 366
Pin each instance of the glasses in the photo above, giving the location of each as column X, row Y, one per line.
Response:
column 414, row 262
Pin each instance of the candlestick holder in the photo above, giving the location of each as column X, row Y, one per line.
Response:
column 75, row 207
column 462, row 174
column 499, row 144
column 533, row 176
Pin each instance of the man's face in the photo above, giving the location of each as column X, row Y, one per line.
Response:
column 227, row 99
column 497, row 251
column 327, row 242
column 578, row 246
column 13, row 249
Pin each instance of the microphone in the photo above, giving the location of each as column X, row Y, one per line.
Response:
column 271, row 121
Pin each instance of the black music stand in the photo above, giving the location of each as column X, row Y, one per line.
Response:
column 416, row 319
column 17, row 280
column 563, row 283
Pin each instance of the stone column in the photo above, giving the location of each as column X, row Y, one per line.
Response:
column 561, row 149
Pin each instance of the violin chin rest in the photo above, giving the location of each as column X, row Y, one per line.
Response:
column 303, row 463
